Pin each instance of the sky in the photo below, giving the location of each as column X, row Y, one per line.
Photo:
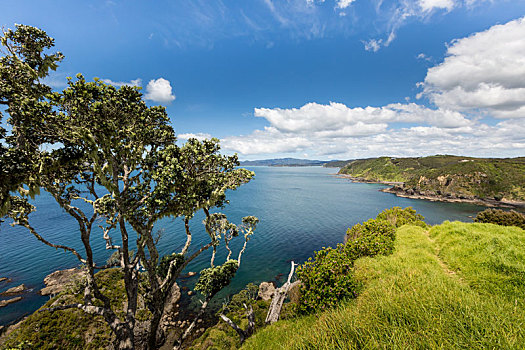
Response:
column 317, row 79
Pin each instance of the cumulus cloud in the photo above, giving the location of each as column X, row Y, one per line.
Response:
column 335, row 128
column 199, row 136
column 159, row 90
column 481, row 78
column 485, row 71
column 135, row 82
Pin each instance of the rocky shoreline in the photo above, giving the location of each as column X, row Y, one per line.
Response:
column 451, row 198
column 399, row 190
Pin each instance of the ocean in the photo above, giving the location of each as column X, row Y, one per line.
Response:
column 301, row 210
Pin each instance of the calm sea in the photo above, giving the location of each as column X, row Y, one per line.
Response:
column 300, row 209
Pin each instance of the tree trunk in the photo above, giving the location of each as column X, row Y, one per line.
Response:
column 243, row 334
column 278, row 299
column 124, row 338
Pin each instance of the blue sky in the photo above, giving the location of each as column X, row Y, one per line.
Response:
column 311, row 79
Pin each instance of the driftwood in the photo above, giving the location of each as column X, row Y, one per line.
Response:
column 278, row 299
column 243, row 334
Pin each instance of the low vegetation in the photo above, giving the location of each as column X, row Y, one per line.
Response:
column 501, row 217
column 457, row 286
column 70, row 329
column 396, row 283
column 500, row 179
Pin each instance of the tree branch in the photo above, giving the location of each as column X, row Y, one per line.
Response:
column 278, row 299
column 43, row 240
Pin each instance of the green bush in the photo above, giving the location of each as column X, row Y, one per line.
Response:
column 398, row 217
column 501, row 217
column 326, row 279
column 370, row 238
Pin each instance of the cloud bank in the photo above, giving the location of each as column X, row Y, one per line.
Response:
column 478, row 96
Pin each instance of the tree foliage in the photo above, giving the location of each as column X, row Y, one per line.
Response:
column 114, row 167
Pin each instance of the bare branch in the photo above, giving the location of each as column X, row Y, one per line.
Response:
column 43, row 240
column 243, row 334
column 278, row 299
column 188, row 236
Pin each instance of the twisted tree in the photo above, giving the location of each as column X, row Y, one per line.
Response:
column 113, row 163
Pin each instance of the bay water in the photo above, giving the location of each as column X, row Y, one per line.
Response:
column 301, row 210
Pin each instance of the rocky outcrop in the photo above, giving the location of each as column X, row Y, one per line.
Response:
column 60, row 280
column 5, row 279
column 9, row 301
column 15, row 290
column 266, row 291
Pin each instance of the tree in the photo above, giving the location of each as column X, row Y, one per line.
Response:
column 115, row 159
column 23, row 96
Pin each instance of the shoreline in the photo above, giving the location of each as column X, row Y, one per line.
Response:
column 399, row 192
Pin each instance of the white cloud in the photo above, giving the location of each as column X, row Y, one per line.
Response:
column 342, row 4
column 482, row 78
column 159, row 90
column 335, row 128
column 485, row 71
column 373, row 44
column 199, row 136
column 429, row 5
column 396, row 16
column 135, row 82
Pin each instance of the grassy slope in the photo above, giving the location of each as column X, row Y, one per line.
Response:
column 459, row 287
column 71, row 329
column 465, row 176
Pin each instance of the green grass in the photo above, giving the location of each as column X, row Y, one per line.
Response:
column 457, row 288
column 487, row 178
column 71, row 329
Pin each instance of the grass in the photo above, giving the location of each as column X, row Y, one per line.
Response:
column 459, row 286
column 487, row 178
column 70, row 329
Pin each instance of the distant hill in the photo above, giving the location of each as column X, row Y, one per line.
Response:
column 285, row 162
column 445, row 177
column 337, row 163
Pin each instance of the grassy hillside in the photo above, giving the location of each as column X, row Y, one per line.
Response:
column 457, row 286
column 447, row 176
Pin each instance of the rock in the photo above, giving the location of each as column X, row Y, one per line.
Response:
column 199, row 320
column 266, row 291
column 202, row 330
column 188, row 275
column 15, row 290
column 173, row 299
column 190, row 293
column 60, row 280
column 5, row 279
column 9, row 301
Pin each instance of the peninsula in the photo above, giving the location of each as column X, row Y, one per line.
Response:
column 487, row 181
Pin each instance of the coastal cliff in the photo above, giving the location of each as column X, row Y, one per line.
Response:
column 487, row 181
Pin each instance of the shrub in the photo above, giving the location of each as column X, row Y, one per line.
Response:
column 398, row 217
column 371, row 238
column 326, row 279
column 501, row 217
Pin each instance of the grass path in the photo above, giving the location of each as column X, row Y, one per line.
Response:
column 455, row 287
column 443, row 265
